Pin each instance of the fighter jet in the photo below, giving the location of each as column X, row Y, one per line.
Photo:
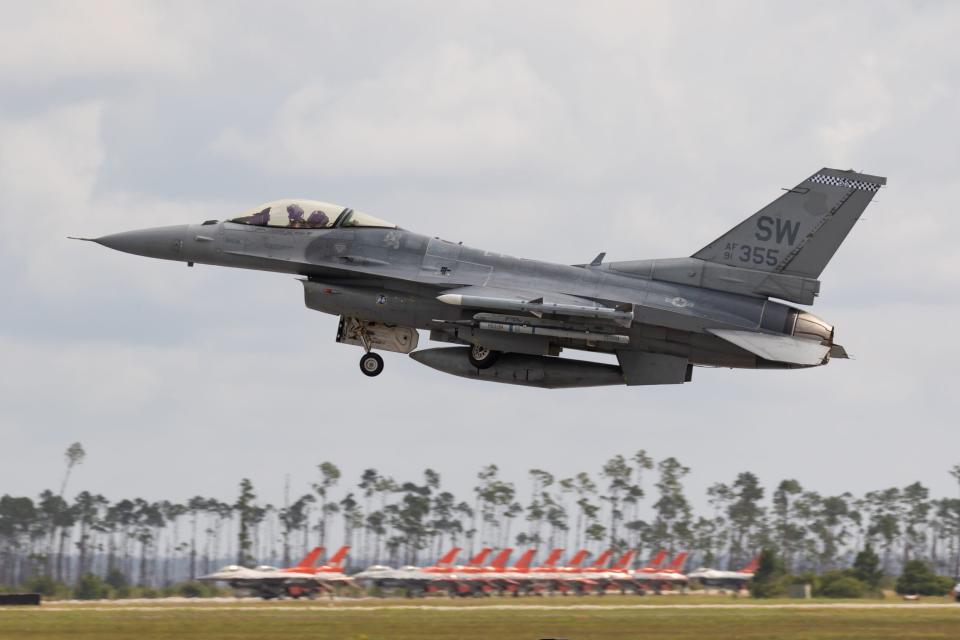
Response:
column 724, row 306
column 421, row 580
column 729, row 579
column 302, row 579
column 659, row 579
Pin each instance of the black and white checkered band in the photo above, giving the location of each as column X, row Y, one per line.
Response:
column 821, row 178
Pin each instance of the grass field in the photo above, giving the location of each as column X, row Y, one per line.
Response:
column 543, row 618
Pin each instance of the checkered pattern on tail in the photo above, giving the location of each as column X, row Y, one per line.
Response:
column 822, row 178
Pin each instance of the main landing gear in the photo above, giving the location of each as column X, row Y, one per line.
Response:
column 371, row 364
column 482, row 357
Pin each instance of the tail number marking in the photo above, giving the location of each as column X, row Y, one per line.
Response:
column 748, row 253
column 767, row 227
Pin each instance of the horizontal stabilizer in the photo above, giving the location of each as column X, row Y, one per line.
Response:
column 777, row 348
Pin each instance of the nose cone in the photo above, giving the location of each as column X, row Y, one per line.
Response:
column 165, row 243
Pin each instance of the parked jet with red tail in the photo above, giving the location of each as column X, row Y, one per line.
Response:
column 302, row 579
column 669, row 577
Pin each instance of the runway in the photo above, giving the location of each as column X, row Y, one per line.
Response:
column 334, row 607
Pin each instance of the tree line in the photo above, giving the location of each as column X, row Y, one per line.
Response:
column 630, row 502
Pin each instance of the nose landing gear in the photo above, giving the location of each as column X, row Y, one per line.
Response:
column 371, row 364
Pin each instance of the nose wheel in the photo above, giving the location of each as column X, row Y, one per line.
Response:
column 371, row 364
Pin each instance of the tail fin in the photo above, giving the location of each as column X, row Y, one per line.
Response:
column 678, row 561
column 657, row 559
column 553, row 557
column 524, row 561
column 478, row 559
column 338, row 557
column 624, row 561
column 751, row 566
column 602, row 559
column 310, row 559
column 799, row 232
column 448, row 557
column 500, row 561
column 577, row 558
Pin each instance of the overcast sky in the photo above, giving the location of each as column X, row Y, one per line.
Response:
column 553, row 131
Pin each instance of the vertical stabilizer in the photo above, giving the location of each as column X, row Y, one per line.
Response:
column 677, row 564
column 448, row 557
column 552, row 559
column 751, row 566
column 657, row 559
column 310, row 559
column 480, row 558
column 578, row 558
column 500, row 561
column 799, row 232
column 524, row 562
column 602, row 559
column 624, row 561
column 339, row 556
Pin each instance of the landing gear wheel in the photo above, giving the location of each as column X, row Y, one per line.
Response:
column 371, row 364
column 481, row 357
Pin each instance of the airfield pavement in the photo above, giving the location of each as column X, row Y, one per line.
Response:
column 373, row 618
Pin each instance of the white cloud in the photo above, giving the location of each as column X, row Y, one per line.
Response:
column 44, row 42
column 641, row 130
column 50, row 164
column 449, row 112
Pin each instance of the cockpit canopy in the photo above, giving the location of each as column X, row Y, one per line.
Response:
column 308, row 214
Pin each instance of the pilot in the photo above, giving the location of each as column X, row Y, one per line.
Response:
column 295, row 216
column 317, row 220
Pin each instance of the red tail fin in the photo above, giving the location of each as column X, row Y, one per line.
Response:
column 553, row 557
column 524, row 561
column 448, row 557
column 478, row 559
column 678, row 561
column 577, row 558
column 500, row 562
column 602, row 559
column 310, row 559
column 657, row 560
column 624, row 561
column 752, row 565
column 339, row 556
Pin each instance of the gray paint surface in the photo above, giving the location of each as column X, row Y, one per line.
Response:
column 660, row 318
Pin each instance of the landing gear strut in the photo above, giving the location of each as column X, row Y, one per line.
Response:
column 371, row 364
column 482, row 357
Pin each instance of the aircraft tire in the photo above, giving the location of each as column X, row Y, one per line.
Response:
column 371, row 364
column 482, row 357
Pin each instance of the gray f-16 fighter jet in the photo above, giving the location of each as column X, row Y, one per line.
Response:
column 514, row 316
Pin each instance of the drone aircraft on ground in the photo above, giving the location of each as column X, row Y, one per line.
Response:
column 731, row 579
column 304, row 579
column 513, row 316
column 520, row 578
